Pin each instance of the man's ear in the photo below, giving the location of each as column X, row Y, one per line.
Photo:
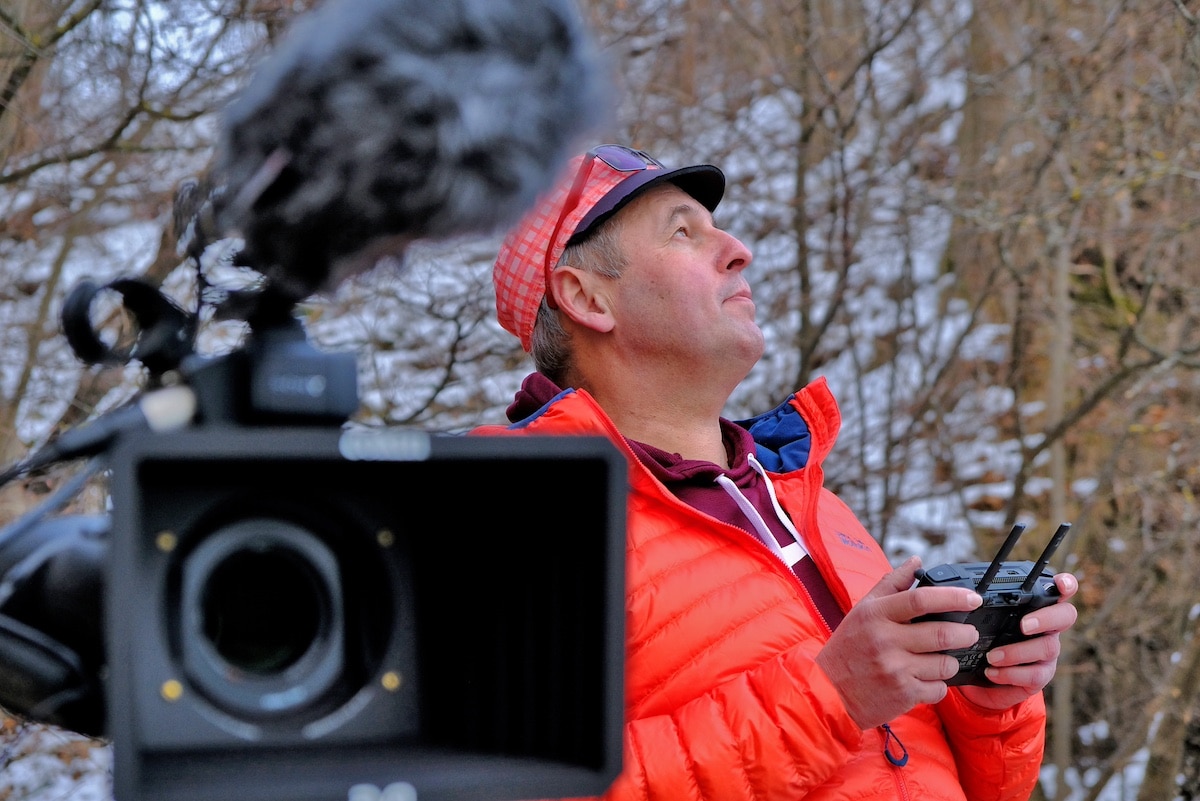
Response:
column 583, row 296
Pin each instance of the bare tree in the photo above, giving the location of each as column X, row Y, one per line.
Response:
column 1075, row 208
column 103, row 109
column 1042, row 154
column 975, row 221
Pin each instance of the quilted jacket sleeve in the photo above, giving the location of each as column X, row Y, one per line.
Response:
column 999, row 753
column 734, row 743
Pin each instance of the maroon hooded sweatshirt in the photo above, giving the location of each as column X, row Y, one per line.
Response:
column 694, row 482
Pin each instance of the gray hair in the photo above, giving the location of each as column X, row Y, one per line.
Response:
column 550, row 345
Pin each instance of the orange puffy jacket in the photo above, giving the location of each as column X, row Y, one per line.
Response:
column 724, row 698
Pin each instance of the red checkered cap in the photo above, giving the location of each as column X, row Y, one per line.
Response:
column 519, row 273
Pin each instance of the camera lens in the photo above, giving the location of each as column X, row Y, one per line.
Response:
column 263, row 608
column 262, row 623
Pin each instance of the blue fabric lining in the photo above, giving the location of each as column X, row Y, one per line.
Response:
column 782, row 438
column 526, row 421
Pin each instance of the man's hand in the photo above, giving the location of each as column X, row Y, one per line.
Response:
column 883, row 664
column 1023, row 668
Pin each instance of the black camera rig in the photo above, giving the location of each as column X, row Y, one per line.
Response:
column 285, row 607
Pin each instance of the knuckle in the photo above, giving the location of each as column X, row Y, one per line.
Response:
column 943, row 637
column 1053, row 648
column 949, row 668
column 919, row 600
column 930, row 692
column 949, row 636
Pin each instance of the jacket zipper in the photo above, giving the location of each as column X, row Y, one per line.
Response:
column 897, row 758
column 894, row 751
column 885, row 730
column 766, row 539
column 787, row 524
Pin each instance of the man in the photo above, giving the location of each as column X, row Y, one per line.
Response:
column 770, row 652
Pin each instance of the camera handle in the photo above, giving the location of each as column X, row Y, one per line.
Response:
column 52, row 568
column 278, row 378
column 51, row 649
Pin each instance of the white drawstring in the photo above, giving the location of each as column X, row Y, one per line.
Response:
column 779, row 513
column 789, row 554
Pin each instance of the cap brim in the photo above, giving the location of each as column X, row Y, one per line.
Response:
column 704, row 182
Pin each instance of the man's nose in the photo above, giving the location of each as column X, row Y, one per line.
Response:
column 738, row 256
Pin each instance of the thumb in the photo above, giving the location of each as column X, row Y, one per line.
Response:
column 898, row 580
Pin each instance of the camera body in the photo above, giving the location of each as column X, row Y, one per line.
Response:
column 285, row 607
column 1010, row 590
column 289, row 609
column 298, row 611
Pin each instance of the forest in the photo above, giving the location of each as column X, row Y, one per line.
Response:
column 975, row 218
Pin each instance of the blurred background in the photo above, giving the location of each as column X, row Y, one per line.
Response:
column 978, row 220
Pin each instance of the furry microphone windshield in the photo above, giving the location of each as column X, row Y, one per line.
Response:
column 381, row 122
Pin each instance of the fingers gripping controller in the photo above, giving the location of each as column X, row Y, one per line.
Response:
column 1010, row 590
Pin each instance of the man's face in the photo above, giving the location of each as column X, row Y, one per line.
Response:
column 683, row 296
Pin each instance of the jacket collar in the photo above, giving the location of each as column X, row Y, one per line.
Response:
column 802, row 428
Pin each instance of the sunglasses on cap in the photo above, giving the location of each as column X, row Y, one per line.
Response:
column 618, row 157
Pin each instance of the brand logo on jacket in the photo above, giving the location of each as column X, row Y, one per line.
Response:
column 853, row 542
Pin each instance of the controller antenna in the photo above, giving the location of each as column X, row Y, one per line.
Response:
column 1051, row 547
column 1001, row 555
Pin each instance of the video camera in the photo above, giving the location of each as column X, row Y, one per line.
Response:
column 285, row 607
column 294, row 607
column 1010, row 591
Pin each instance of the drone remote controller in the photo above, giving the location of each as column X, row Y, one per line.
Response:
column 1010, row 590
